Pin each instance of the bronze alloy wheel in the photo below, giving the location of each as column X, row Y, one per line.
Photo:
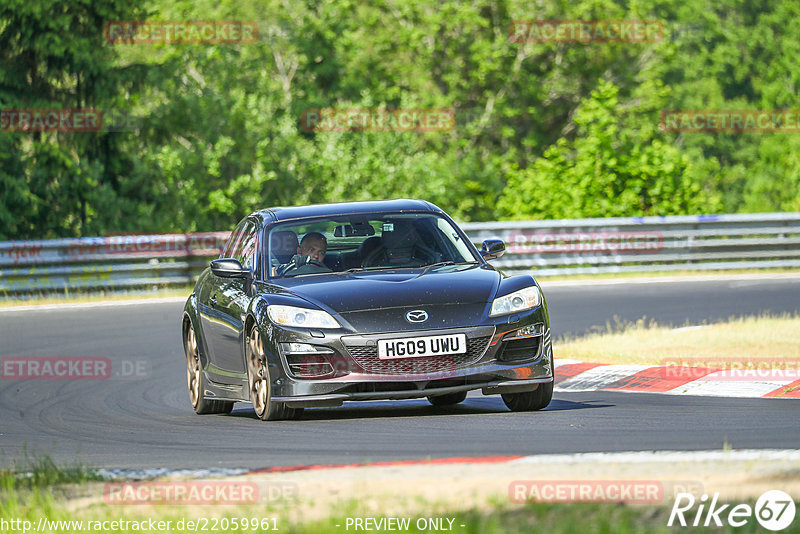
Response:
column 259, row 383
column 192, row 367
column 257, row 374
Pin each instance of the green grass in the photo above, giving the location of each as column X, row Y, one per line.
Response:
column 508, row 519
column 42, row 472
column 37, row 488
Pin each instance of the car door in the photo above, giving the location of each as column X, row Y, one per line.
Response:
column 229, row 300
column 207, row 300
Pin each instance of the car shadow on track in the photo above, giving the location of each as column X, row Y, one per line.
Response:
column 560, row 405
column 421, row 408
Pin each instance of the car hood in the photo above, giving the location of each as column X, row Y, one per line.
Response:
column 374, row 290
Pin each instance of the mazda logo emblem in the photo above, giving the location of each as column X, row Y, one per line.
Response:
column 417, row 316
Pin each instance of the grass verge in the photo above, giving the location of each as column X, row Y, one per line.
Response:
column 68, row 297
column 462, row 499
column 663, row 274
column 27, row 511
column 42, row 472
column 775, row 338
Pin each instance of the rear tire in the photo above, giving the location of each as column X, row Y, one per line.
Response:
column 528, row 401
column 195, row 380
column 448, row 400
column 260, row 384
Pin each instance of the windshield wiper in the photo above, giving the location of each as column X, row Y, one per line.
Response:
column 450, row 262
column 446, row 263
column 440, row 264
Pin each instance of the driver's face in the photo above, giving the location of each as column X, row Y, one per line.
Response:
column 314, row 248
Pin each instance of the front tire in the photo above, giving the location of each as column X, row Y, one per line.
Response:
column 448, row 400
column 260, row 384
column 528, row 401
column 195, row 379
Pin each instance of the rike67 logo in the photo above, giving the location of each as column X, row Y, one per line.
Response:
column 774, row 510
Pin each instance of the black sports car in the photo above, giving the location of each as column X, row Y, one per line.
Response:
column 315, row 305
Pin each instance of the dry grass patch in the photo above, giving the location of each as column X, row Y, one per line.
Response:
column 663, row 274
column 646, row 342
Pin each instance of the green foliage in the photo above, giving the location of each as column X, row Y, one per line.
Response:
column 542, row 129
column 52, row 56
column 613, row 167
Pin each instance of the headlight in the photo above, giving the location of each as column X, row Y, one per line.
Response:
column 303, row 317
column 524, row 299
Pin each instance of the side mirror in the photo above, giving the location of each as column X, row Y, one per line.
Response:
column 492, row 249
column 229, row 268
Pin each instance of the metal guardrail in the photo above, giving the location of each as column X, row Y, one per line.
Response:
column 544, row 248
column 114, row 262
column 645, row 244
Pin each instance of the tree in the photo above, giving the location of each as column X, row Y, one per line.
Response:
column 611, row 168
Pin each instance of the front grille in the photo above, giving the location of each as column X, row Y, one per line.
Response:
column 367, row 357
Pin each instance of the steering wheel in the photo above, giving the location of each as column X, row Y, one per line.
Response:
column 304, row 264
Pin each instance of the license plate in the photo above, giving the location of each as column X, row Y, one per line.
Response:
column 419, row 347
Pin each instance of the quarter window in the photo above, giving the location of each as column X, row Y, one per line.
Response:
column 245, row 247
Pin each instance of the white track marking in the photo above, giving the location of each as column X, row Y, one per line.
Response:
column 599, row 377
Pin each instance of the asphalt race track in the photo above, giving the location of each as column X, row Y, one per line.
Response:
column 141, row 417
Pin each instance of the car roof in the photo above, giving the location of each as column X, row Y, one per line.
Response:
column 344, row 208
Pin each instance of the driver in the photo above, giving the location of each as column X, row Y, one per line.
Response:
column 310, row 254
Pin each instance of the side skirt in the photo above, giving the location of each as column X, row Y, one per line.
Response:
column 229, row 392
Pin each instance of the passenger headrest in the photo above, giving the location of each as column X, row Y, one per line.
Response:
column 283, row 244
column 399, row 243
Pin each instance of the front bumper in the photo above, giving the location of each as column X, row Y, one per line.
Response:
column 491, row 364
column 487, row 388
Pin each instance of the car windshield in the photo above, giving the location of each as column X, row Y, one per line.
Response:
column 365, row 242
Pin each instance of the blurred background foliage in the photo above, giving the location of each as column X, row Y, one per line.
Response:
column 553, row 130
